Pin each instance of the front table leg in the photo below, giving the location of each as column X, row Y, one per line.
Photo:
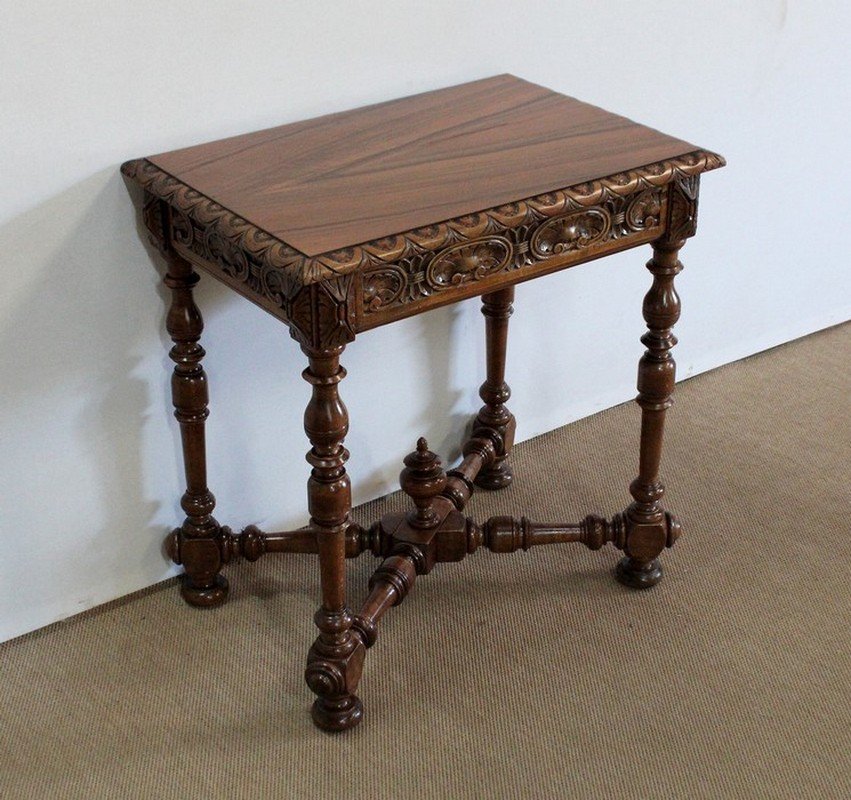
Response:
column 336, row 657
column 648, row 524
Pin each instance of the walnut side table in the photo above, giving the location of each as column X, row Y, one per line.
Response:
column 340, row 224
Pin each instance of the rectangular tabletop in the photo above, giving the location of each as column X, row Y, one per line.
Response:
column 344, row 179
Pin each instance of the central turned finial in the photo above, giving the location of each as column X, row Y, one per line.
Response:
column 422, row 480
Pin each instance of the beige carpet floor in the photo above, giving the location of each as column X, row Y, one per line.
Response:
column 508, row 676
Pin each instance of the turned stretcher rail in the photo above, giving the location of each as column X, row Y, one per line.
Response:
column 252, row 542
column 480, row 453
column 389, row 585
column 504, row 534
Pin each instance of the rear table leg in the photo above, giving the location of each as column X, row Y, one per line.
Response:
column 497, row 308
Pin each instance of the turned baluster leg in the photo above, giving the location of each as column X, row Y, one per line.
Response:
column 648, row 524
column 497, row 308
column 333, row 664
column 196, row 544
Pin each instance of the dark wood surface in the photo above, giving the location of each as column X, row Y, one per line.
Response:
column 351, row 177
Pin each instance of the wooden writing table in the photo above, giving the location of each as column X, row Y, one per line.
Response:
column 343, row 223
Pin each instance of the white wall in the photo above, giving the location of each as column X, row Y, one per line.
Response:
column 90, row 472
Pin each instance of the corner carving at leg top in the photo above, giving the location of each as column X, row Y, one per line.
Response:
column 682, row 208
column 322, row 315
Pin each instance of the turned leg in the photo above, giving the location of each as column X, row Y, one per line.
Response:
column 196, row 544
column 494, row 415
column 335, row 659
column 649, row 526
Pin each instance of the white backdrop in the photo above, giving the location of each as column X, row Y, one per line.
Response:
column 90, row 475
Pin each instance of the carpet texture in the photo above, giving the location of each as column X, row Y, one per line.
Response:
column 508, row 676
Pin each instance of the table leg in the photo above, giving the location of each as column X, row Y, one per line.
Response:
column 196, row 544
column 648, row 523
column 335, row 659
column 497, row 308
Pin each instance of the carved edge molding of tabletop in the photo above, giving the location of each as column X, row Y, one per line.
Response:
column 325, row 303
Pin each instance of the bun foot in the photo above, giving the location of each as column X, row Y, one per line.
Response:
column 497, row 478
column 204, row 596
column 638, row 574
column 336, row 716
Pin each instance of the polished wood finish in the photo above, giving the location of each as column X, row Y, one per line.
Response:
column 460, row 193
column 413, row 161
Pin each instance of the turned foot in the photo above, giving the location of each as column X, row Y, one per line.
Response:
column 201, row 584
column 638, row 574
column 497, row 478
column 204, row 596
column 336, row 708
column 336, row 716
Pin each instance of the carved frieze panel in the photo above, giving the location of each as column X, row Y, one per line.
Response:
column 241, row 265
column 570, row 235
column 426, row 273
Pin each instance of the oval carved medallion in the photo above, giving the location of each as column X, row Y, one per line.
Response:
column 573, row 231
column 468, row 261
